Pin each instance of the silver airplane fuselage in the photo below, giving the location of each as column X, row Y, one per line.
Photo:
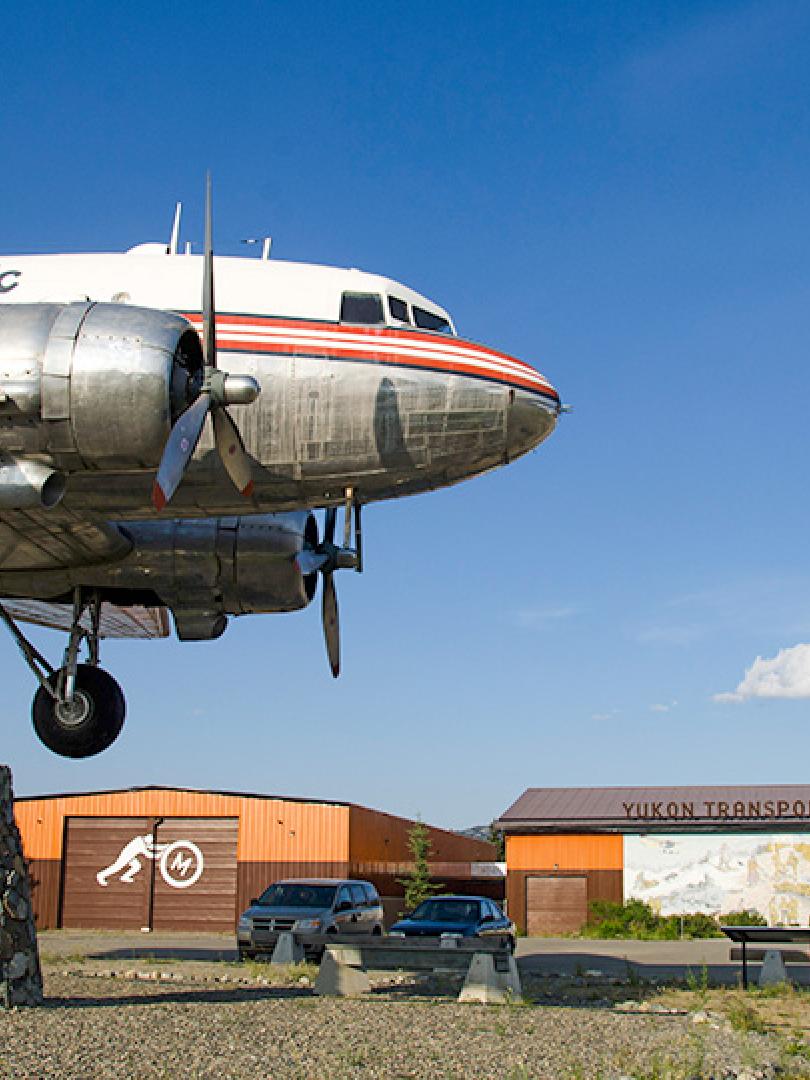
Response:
column 387, row 410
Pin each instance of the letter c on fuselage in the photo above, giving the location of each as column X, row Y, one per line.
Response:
column 9, row 279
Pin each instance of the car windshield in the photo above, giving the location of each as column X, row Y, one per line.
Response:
column 295, row 895
column 449, row 911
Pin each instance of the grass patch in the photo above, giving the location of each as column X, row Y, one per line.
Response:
column 744, row 1017
column 279, row 974
column 698, row 984
column 61, row 958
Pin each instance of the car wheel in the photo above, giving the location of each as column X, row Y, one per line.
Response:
column 377, row 931
column 511, row 944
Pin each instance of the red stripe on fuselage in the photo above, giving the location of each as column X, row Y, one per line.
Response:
column 322, row 343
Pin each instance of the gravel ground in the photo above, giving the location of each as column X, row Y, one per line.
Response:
column 116, row 1027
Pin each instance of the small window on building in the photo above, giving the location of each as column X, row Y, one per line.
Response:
column 398, row 309
column 426, row 320
column 363, row 308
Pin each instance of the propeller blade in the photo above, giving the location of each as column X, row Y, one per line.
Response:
column 329, row 525
column 209, row 317
column 231, row 450
column 358, row 536
column 180, row 445
column 331, row 624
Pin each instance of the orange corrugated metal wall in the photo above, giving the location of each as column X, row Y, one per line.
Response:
column 284, row 831
column 375, row 836
column 564, row 852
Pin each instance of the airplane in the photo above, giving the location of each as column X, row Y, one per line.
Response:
column 120, row 503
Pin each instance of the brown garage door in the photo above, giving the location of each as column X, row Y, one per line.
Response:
column 556, row 905
column 91, row 897
column 196, row 888
column 131, row 873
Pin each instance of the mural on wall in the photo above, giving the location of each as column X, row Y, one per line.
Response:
column 769, row 873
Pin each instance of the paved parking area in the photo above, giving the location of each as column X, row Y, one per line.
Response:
column 662, row 960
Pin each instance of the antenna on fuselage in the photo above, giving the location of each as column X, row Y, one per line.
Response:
column 174, row 239
column 267, row 243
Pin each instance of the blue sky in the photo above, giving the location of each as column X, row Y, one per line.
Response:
column 615, row 192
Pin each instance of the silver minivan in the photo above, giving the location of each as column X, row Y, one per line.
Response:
column 308, row 906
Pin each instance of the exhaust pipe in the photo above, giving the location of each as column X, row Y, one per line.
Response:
column 26, row 485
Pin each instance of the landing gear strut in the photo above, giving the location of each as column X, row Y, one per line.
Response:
column 79, row 709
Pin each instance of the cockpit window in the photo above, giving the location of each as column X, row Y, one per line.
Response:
column 426, row 320
column 364, row 308
column 398, row 309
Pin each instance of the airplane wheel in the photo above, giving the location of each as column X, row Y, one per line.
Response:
column 92, row 721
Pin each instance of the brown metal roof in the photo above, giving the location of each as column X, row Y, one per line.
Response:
column 647, row 809
column 192, row 791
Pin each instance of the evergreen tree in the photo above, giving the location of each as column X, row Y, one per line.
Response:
column 418, row 886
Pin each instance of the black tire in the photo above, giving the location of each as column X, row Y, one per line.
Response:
column 377, row 931
column 96, row 723
column 511, row 945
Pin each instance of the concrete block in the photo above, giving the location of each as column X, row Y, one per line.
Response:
column 773, row 970
column 487, row 985
column 336, row 979
column 287, row 950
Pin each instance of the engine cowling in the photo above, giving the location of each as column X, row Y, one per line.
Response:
column 106, row 380
column 206, row 570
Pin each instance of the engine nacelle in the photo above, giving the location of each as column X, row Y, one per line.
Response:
column 106, row 380
column 207, row 570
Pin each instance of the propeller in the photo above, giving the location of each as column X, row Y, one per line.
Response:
column 327, row 557
column 329, row 605
column 218, row 390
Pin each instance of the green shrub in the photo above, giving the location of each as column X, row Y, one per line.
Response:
column 700, row 925
column 635, row 919
column 743, row 918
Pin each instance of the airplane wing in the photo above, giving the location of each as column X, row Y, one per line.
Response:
column 115, row 622
column 55, row 539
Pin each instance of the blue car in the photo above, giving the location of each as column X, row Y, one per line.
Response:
column 468, row 916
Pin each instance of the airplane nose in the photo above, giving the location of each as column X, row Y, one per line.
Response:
column 531, row 419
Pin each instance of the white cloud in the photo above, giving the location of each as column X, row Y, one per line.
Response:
column 787, row 675
column 605, row 715
column 541, row 616
column 663, row 708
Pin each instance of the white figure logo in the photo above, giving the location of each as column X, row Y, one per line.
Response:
column 180, row 863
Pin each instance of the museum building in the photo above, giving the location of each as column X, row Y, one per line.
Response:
column 680, row 849
column 155, row 858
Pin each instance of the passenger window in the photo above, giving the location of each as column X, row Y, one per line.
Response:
column 343, row 896
column 426, row 320
column 398, row 309
column 363, row 308
column 358, row 896
column 371, row 894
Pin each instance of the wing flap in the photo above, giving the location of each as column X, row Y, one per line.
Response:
column 115, row 622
